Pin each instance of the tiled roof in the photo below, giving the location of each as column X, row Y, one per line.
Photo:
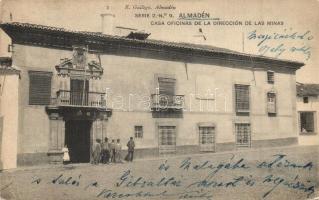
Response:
column 97, row 37
column 100, row 35
column 307, row 89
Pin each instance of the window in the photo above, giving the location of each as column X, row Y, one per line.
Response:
column 242, row 98
column 305, row 99
column 166, row 85
column 307, row 122
column 242, row 134
column 270, row 77
column 206, row 135
column 167, row 135
column 166, row 91
column 79, row 92
column 271, row 102
column 138, row 131
column 206, row 138
column 167, row 139
column 40, row 87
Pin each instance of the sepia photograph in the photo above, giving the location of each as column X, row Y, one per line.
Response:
column 153, row 100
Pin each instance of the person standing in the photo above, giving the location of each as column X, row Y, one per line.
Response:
column 105, row 151
column 118, row 148
column 130, row 148
column 96, row 151
column 66, row 156
column 112, row 149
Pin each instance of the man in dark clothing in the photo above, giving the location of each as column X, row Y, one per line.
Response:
column 105, row 151
column 130, row 147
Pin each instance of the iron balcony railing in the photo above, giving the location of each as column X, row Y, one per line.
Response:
column 79, row 99
column 164, row 101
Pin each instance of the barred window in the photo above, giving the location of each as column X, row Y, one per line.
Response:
column 207, row 138
column 138, row 131
column 39, row 87
column 270, row 77
column 167, row 135
column 242, row 98
column 271, row 102
column 307, row 124
column 167, row 139
column 206, row 135
column 243, row 134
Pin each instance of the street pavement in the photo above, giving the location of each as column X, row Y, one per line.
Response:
column 271, row 173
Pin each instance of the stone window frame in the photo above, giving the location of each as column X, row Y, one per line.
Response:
column 314, row 132
column 139, row 135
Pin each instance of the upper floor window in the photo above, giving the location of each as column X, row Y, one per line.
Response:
column 307, row 122
column 242, row 98
column 39, row 87
column 138, row 131
column 271, row 102
column 270, row 77
column 166, row 86
column 306, row 99
column 166, row 91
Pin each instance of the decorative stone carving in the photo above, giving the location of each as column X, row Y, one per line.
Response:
column 81, row 64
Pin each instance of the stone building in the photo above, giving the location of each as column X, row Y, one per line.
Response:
column 173, row 98
column 308, row 116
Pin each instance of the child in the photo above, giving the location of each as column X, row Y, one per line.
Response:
column 66, row 156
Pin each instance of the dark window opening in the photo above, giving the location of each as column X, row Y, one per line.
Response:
column 39, row 87
column 138, row 131
column 166, row 91
column 306, row 99
column 307, row 124
column 270, row 77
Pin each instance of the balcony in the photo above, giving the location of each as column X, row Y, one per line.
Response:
column 79, row 99
column 162, row 102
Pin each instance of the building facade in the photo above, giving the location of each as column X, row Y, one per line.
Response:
column 308, row 116
column 173, row 98
column 9, row 114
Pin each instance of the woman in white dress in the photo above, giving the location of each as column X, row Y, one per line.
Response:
column 66, row 156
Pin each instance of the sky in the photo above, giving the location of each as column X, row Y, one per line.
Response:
column 296, row 19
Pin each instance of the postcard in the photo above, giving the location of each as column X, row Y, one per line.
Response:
column 175, row 100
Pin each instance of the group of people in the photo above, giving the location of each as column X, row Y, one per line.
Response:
column 106, row 152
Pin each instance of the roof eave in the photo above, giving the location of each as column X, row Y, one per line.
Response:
column 17, row 28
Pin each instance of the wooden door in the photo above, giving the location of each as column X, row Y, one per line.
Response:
column 77, row 139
